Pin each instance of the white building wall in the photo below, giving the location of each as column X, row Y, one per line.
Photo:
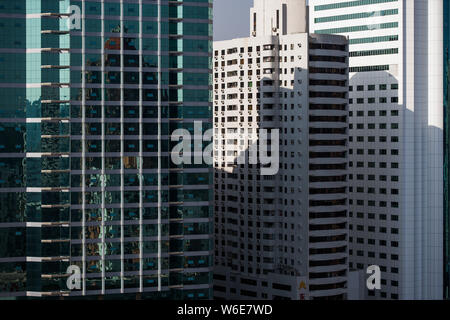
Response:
column 407, row 240
column 279, row 17
column 275, row 71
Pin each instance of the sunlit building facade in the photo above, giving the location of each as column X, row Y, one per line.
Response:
column 283, row 233
column 87, row 107
column 396, row 153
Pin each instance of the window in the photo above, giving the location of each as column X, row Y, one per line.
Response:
column 373, row 52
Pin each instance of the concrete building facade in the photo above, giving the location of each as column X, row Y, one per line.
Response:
column 396, row 139
column 281, row 234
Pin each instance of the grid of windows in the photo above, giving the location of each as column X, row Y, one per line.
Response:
column 92, row 167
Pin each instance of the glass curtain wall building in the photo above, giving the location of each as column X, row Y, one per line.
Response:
column 87, row 107
column 446, row 149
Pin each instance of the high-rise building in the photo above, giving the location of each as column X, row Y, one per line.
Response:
column 396, row 139
column 446, row 33
column 281, row 223
column 90, row 93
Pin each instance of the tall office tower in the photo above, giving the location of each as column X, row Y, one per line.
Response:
column 446, row 149
column 396, row 139
column 86, row 111
column 281, row 232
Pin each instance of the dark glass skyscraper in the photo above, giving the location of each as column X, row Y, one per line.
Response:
column 86, row 112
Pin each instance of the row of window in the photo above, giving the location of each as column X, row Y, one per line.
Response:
column 373, row 100
column 266, row 47
column 372, row 139
column 360, row 15
column 372, row 126
column 133, row 112
column 371, row 113
column 348, row 4
column 372, row 216
column 360, row 164
column 373, row 52
column 372, row 177
column 388, row 25
column 250, row 61
column 381, row 152
column 372, row 87
column 369, row 68
column 373, row 39
column 130, row 214
column 148, row 10
column 381, row 255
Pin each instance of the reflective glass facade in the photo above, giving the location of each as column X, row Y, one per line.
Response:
column 86, row 178
column 446, row 149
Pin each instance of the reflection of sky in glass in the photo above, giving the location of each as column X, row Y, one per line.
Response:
column 446, row 137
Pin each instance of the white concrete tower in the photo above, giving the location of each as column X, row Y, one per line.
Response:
column 281, row 235
column 396, row 139
column 269, row 17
